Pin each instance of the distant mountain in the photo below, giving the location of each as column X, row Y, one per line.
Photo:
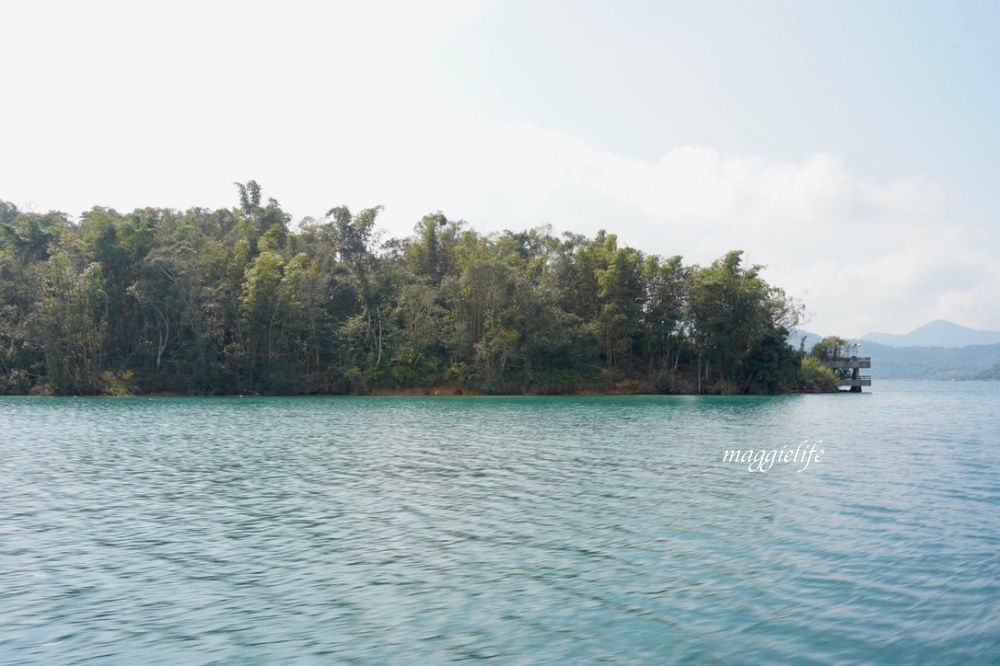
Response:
column 980, row 361
column 972, row 362
column 796, row 335
column 938, row 333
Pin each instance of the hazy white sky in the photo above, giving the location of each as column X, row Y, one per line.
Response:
column 850, row 146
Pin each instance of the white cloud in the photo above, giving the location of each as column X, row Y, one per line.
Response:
column 329, row 104
column 862, row 255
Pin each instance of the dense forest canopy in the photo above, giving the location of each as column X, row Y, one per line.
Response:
column 239, row 301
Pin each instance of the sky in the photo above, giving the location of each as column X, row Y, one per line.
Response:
column 850, row 147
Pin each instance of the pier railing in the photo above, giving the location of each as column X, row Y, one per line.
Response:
column 849, row 362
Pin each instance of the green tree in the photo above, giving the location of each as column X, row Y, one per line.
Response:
column 620, row 289
column 69, row 321
column 731, row 311
column 830, row 348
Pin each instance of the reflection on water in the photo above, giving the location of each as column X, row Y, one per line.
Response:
column 532, row 530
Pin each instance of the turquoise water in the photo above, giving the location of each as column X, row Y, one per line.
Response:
column 528, row 530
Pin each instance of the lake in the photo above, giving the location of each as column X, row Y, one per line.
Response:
column 525, row 530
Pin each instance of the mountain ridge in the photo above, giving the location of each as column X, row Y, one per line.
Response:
column 940, row 362
column 937, row 333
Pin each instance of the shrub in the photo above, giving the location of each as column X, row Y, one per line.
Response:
column 816, row 376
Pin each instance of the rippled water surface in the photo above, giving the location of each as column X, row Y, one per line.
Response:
column 529, row 530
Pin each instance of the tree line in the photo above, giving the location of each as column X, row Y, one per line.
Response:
column 241, row 301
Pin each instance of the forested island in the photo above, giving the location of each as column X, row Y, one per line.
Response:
column 240, row 301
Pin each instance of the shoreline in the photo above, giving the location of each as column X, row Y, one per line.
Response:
column 619, row 388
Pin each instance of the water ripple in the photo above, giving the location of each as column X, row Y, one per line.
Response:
column 380, row 531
